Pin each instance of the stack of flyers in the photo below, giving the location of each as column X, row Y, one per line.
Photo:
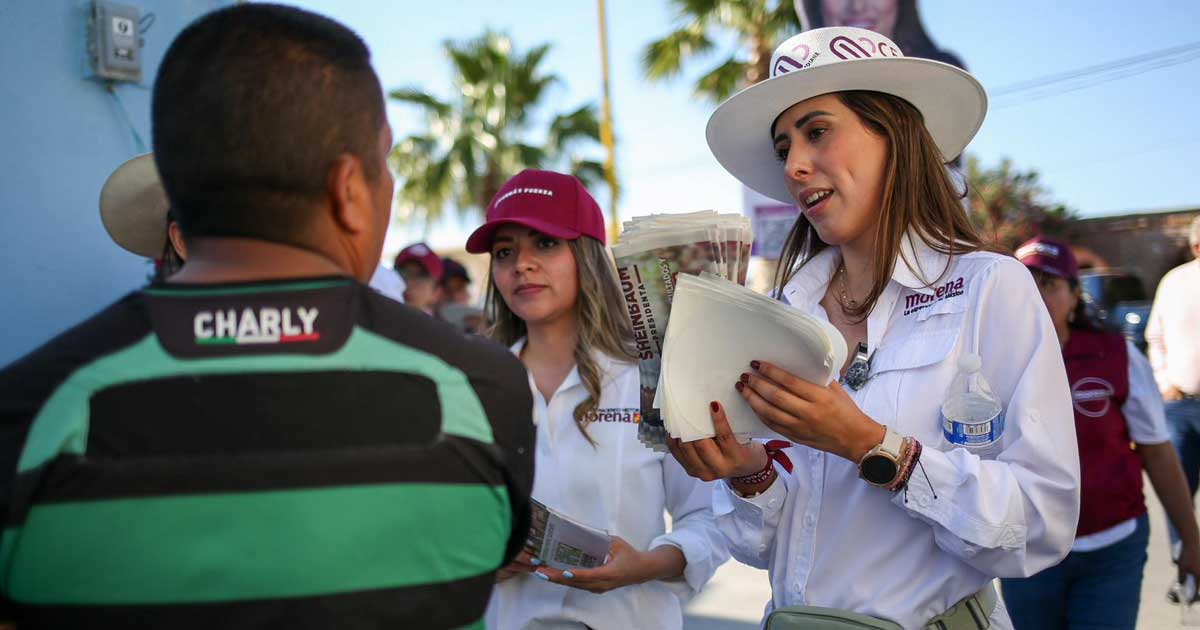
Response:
column 653, row 251
column 563, row 543
column 717, row 328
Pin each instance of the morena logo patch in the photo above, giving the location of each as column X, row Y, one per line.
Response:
column 1092, row 396
column 627, row 415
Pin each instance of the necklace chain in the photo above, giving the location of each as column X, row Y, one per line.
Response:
column 844, row 289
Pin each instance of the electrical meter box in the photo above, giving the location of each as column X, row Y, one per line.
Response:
column 114, row 41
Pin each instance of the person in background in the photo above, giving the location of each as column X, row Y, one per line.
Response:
column 1122, row 433
column 135, row 213
column 261, row 441
column 554, row 297
column 456, row 283
column 421, row 270
column 1173, row 342
column 455, row 306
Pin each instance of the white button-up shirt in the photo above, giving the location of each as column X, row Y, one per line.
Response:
column 1175, row 322
column 830, row 539
column 618, row 485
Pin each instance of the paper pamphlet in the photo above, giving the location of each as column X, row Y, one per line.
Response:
column 562, row 543
column 654, row 250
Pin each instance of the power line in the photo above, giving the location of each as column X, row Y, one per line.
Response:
column 1063, row 82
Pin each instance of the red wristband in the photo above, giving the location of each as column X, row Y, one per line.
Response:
column 756, row 478
column 908, row 463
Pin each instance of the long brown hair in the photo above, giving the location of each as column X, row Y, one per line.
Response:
column 918, row 194
column 602, row 323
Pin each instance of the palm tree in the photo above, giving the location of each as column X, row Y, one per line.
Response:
column 1011, row 206
column 757, row 25
column 478, row 139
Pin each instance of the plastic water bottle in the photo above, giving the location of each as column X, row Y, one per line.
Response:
column 972, row 416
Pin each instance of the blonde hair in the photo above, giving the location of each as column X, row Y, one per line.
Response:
column 917, row 194
column 602, row 323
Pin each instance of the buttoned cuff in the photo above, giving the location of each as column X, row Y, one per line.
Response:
column 757, row 509
column 932, row 493
column 933, row 477
column 696, row 554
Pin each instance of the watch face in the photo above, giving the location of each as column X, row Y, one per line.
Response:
column 879, row 470
column 856, row 374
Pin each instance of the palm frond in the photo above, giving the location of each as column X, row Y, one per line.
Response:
column 581, row 124
column 478, row 137
column 420, row 98
column 664, row 58
column 721, row 82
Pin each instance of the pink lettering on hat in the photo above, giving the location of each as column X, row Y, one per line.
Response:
column 841, row 46
column 781, row 68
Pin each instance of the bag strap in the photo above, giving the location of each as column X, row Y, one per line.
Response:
column 973, row 612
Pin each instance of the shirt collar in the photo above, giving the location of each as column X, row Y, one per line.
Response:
column 608, row 366
column 917, row 267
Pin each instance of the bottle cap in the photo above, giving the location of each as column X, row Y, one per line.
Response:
column 969, row 363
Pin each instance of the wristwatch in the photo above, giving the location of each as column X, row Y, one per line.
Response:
column 880, row 466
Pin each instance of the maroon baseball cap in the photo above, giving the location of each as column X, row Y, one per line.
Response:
column 422, row 255
column 1048, row 255
column 551, row 203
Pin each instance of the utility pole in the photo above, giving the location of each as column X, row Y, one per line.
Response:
column 606, row 129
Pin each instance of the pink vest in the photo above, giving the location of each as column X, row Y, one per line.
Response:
column 1110, row 471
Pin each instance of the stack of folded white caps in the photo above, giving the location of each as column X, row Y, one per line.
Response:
column 717, row 328
column 653, row 251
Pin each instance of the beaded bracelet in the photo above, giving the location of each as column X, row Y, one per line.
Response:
column 756, row 478
column 911, row 454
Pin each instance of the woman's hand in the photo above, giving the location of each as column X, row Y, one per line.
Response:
column 625, row 566
column 824, row 418
column 523, row 563
column 721, row 456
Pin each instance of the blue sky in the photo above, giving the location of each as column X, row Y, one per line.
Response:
column 1126, row 145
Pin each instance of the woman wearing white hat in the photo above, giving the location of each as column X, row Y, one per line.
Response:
column 136, row 214
column 884, row 510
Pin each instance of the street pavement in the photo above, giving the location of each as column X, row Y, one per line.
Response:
column 734, row 599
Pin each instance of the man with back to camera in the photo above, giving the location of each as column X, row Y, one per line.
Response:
column 263, row 441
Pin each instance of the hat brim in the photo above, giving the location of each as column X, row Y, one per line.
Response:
column 1038, row 266
column 133, row 207
column 480, row 241
column 952, row 102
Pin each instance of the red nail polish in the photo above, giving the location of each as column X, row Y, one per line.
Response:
column 754, row 364
column 739, row 386
column 714, row 406
column 745, row 378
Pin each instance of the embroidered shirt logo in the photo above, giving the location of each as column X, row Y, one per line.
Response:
column 626, row 415
column 1092, row 396
column 919, row 301
column 264, row 325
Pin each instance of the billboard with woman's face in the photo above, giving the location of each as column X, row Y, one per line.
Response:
column 898, row 20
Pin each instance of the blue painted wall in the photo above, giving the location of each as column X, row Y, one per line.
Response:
column 61, row 136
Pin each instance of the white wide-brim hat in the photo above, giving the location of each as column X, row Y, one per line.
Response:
column 133, row 207
column 838, row 59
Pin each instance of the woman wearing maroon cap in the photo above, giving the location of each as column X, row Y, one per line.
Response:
column 553, row 296
column 1116, row 404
